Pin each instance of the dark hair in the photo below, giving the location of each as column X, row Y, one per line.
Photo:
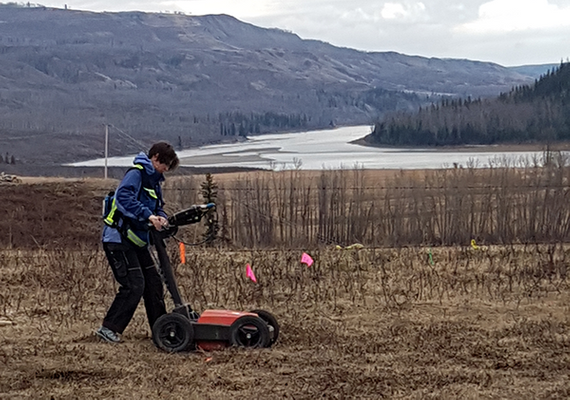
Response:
column 166, row 154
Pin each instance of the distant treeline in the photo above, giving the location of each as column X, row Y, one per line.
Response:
column 243, row 124
column 240, row 124
column 8, row 159
column 536, row 113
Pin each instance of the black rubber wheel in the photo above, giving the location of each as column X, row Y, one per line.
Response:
column 271, row 322
column 249, row 332
column 172, row 333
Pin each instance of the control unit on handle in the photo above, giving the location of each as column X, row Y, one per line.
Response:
column 191, row 215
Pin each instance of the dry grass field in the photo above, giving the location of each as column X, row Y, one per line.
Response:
column 414, row 322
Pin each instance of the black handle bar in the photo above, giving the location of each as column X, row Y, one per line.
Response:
column 191, row 215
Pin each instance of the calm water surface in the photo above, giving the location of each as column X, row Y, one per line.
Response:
column 330, row 149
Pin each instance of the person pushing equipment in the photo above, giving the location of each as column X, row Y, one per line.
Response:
column 136, row 206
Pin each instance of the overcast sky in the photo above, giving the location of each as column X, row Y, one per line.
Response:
column 508, row 32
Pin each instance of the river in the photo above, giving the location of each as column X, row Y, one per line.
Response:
column 328, row 149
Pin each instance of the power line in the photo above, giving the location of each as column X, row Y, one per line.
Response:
column 135, row 141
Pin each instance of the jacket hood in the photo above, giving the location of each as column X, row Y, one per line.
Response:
column 143, row 160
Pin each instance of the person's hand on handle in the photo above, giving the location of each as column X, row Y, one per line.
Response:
column 158, row 222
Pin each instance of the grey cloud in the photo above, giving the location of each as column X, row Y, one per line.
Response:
column 433, row 35
column 428, row 31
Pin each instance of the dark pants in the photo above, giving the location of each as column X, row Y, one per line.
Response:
column 135, row 271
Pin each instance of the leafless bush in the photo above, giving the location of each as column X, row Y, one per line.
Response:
column 508, row 202
column 70, row 285
column 426, row 320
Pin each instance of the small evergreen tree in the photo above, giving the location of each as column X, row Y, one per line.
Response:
column 209, row 191
column 224, row 234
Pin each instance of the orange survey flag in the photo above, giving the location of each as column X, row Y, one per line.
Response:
column 182, row 253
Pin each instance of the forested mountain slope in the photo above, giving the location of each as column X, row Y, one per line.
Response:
column 528, row 113
column 64, row 74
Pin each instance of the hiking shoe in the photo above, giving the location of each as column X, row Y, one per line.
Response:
column 107, row 335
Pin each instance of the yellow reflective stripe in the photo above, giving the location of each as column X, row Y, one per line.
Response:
column 151, row 193
column 135, row 239
column 109, row 220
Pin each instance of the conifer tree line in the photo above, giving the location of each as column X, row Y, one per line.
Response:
column 7, row 159
column 529, row 113
column 240, row 124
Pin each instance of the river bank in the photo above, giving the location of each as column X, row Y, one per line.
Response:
column 482, row 148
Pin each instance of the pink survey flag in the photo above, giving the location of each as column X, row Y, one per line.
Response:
column 249, row 273
column 305, row 258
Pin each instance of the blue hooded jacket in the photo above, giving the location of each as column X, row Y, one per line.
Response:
column 134, row 202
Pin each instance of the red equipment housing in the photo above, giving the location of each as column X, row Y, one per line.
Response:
column 184, row 329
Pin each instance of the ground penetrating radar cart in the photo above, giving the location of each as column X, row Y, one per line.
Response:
column 184, row 329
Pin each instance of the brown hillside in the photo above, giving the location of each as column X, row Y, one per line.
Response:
column 54, row 213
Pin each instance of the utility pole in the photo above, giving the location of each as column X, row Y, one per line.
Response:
column 106, row 147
